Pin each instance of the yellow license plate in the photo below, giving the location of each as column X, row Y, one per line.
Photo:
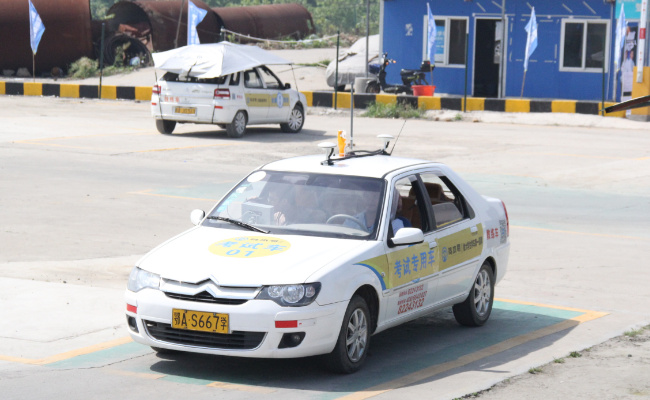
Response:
column 185, row 110
column 200, row 321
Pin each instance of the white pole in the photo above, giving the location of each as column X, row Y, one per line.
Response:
column 501, row 91
column 642, row 36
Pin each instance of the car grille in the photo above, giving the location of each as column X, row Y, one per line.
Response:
column 205, row 297
column 237, row 340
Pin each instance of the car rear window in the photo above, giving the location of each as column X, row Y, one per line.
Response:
column 172, row 77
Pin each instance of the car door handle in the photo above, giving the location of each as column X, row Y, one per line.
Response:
column 433, row 245
column 473, row 229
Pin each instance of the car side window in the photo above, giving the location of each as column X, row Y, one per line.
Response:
column 271, row 81
column 447, row 205
column 252, row 79
column 411, row 210
column 234, row 79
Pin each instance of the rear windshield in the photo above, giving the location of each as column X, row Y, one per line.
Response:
column 172, row 77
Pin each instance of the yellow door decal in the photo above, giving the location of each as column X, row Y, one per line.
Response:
column 460, row 247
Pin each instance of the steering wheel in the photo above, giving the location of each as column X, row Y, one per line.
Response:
column 333, row 218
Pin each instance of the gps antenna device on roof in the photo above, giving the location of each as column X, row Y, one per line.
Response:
column 329, row 149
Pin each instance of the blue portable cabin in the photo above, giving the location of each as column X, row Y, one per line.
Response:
column 567, row 64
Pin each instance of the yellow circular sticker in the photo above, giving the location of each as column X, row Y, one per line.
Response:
column 250, row 247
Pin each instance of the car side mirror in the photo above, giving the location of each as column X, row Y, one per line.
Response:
column 197, row 216
column 287, row 86
column 407, row 236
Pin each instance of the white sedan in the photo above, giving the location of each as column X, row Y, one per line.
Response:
column 251, row 97
column 307, row 256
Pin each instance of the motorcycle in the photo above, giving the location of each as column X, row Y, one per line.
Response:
column 409, row 77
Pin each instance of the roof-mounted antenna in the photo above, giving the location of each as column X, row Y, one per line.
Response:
column 398, row 135
column 328, row 148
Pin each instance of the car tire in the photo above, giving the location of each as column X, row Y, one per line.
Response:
column 476, row 309
column 296, row 120
column 373, row 87
column 340, row 88
column 353, row 341
column 165, row 127
column 237, row 128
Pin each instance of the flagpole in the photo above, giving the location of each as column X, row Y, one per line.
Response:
column 33, row 67
column 523, row 82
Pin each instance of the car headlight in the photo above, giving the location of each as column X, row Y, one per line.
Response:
column 290, row 295
column 140, row 279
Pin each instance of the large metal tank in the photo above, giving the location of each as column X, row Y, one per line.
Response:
column 67, row 36
column 161, row 16
column 274, row 21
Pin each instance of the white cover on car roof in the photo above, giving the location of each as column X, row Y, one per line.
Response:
column 351, row 62
column 214, row 59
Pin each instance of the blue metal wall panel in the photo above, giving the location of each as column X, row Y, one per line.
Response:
column 544, row 78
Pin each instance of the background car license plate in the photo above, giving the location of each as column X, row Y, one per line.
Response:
column 200, row 321
column 185, row 110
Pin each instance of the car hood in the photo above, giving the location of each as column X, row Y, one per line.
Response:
column 240, row 258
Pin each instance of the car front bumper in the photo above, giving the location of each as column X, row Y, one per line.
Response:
column 252, row 325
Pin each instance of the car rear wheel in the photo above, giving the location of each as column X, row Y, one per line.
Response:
column 373, row 87
column 165, row 127
column 296, row 120
column 237, row 128
column 353, row 342
column 476, row 309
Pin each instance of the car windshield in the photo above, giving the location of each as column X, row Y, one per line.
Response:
column 303, row 204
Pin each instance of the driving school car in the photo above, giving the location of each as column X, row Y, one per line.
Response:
column 250, row 97
column 307, row 257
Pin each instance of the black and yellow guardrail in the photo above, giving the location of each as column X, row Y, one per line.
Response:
column 76, row 91
column 326, row 99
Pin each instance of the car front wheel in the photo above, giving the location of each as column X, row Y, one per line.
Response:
column 237, row 128
column 165, row 127
column 476, row 309
column 296, row 120
column 354, row 339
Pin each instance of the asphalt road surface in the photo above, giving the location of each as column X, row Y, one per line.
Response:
column 87, row 187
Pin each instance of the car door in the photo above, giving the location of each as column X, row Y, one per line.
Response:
column 457, row 235
column 257, row 98
column 412, row 269
column 280, row 101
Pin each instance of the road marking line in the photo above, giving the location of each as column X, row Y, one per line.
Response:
column 434, row 370
column 146, row 193
column 580, row 233
column 68, row 354
column 143, row 375
column 243, row 388
column 184, row 148
column 577, row 155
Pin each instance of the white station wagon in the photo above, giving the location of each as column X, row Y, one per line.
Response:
column 251, row 97
column 310, row 256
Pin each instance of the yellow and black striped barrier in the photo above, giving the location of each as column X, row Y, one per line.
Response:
column 326, row 99
column 75, row 90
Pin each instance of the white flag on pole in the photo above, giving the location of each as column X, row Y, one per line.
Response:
column 194, row 16
column 621, row 26
column 431, row 35
column 531, row 41
column 36, row 27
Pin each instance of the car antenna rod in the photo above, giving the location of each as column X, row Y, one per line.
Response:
column 396, row 139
